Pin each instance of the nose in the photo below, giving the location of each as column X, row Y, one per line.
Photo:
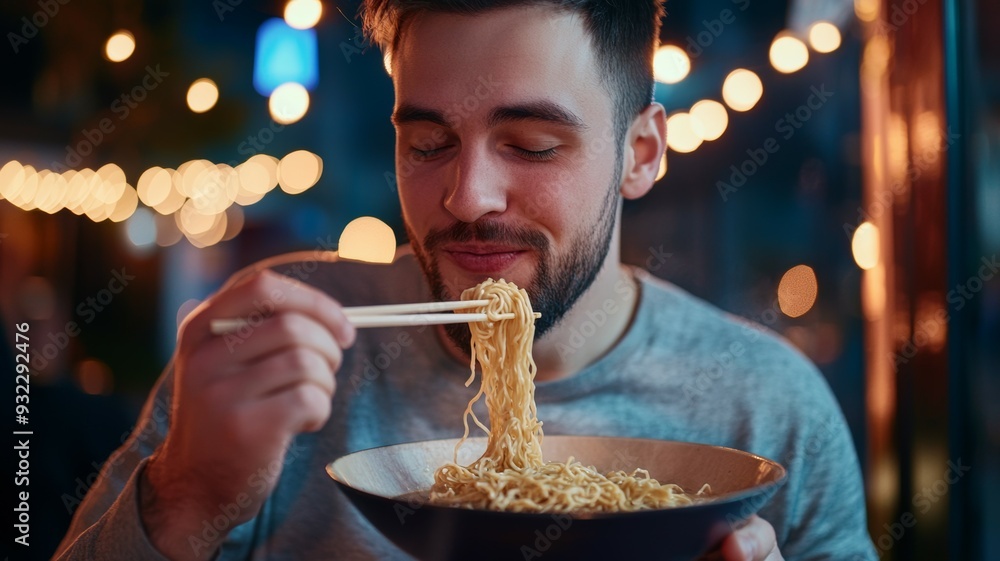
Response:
column 478, row 187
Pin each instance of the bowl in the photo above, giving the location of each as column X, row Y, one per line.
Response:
column 389, row 485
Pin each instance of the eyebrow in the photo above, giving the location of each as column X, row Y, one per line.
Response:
column 540, row 111
column 407, row 113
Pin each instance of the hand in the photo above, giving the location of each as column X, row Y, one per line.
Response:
column 239, row 399
column 754, row 541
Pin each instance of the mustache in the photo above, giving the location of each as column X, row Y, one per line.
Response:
column 488, row 231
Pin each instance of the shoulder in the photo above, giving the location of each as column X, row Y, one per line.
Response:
column 728, row 361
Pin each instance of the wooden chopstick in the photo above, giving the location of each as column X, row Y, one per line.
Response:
column 395, row 320
column 392, row 315
column 416, row 308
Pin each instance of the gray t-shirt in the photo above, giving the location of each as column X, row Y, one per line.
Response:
column 684, row 370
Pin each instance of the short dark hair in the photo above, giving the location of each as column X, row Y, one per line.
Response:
column 624, row 33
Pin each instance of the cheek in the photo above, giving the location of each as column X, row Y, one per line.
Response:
column 566, row 197
column 417, row 199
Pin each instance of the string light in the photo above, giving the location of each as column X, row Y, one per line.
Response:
column 202, row 95
column 709, row 119
column 680, row 133
column 303, row 14
column 119, row 46
column 824, row 37
column 288, row 103
column 299, row 171
column 670, row 64
column 191, row 201
column 788, row 54
column 742, row 89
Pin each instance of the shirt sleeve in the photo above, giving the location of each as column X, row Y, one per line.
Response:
column 107, row 523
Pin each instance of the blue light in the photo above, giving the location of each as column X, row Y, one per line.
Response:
column 284, row 54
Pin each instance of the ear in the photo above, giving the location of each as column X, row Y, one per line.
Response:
column 644, row 145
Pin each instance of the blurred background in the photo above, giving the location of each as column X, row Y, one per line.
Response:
column 833, row 173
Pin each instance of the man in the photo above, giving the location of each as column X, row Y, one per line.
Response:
column 521, row 126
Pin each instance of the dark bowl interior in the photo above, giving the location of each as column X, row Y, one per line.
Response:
column 389, row 485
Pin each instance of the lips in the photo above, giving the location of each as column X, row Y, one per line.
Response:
column 483, row 259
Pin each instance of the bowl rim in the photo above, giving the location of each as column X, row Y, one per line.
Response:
column 768, row 489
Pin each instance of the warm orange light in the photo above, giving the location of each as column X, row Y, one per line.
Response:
column 299, row 171
column 864, row 245
column 125, row 206
column 303, row 14
column 119, row 46
column 824, row 37
column 709, row 119
column 202, row 95
column 866, row 10
column 94, row 377
column 788, row 54
column 368, row 239
column 670, row 64
column 288, row 103
column 681, row 136
column 742, row 89
column 11, row 179
column 797, row 291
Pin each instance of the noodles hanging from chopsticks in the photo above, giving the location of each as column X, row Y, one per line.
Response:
column 511, row 475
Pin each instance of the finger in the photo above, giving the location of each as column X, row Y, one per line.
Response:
column 261, row 295
column 277, row 372
column 754, row 541
column 302, row 407
column 288, row 329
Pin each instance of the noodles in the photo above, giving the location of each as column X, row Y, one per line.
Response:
column 511, row 474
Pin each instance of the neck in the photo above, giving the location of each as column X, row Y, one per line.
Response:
column 589, row 330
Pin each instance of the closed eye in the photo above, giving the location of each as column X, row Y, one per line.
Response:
column 424, row 155
column 535, row 155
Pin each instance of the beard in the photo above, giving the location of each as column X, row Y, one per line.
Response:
column 559, row 280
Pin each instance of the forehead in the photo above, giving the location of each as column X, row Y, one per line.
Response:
column 473, row 62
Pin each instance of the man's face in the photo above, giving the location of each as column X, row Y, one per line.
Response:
column 505, row 154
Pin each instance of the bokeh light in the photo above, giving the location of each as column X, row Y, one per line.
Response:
column 119, row 46
column 742, row 90
column 202, row 95
column 299, row 171
column 670, row 64
column 788, row 54
column 192, row 222
column 824, row 37
column 125, row 205
column 866, row 10
column 303, row 14
column 367, row 239
column 797, row 291
column 680, row 133
column 709, row 119
column 94, row 377
column 288, row 103
column 12, row 177
column 865, row 245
